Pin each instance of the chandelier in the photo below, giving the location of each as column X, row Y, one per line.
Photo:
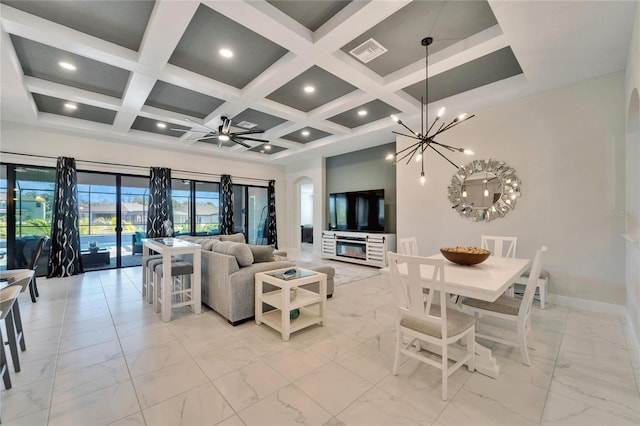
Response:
column 425, row 139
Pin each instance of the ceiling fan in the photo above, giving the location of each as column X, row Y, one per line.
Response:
column 223, row 133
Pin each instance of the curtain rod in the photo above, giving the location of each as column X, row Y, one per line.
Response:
column 129, row 165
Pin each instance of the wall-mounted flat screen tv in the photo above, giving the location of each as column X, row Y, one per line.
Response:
column 357, row 211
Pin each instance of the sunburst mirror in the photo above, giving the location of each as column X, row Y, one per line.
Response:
column 484, row 190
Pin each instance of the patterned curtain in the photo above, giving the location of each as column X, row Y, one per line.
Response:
column 64, row 258
column 160, row 215
column 226, row 202
column 272, row 235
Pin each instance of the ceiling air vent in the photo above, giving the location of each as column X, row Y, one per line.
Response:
column 368, row 50
column 246, row 125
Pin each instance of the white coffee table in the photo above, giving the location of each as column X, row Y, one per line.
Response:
column 312, row 305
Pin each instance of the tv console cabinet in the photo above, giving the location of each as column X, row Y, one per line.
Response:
column 358, row 247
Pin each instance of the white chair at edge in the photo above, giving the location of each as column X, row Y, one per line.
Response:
column 421, row 320
column 511, row 309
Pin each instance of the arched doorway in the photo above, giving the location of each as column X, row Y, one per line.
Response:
column 632, row 211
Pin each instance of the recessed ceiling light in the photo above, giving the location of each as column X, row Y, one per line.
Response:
column 71, row 106
column 362, row 112
column 305, row 133
column 67, row 66
column 161, row 125
column 226, row 53
column 309, row 89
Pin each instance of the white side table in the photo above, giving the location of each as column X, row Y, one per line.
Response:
column 312, row 305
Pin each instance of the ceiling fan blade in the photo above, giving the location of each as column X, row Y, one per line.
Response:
column 238, row 141
column 247, row 132
column 205, row 137
column 209, row 129
column 250, row 139
column 181, row 130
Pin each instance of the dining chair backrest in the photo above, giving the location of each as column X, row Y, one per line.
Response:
column 408, row 246
column 410, row 275
column 37, row 252
column 499, row 246
column 532, row 283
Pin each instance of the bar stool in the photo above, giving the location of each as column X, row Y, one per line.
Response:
column 147, row 276
column 11, row 315
column 180, row 293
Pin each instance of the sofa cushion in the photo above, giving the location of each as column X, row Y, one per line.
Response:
column 208, row 245
column 237, row 238
column 240, row 251
column 262, row 253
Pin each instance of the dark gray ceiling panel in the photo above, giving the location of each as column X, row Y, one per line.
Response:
column 121, row 22
column 83, row 112
column 183, row 101
column 487, row 69
column 149, row 125
column 311, row 13
column 273, row 150
column 327, row 88
column 375, row 109
column 207, row 33
column 263, row 120
column 446, row 21
column 41, row 61
column 298, row 136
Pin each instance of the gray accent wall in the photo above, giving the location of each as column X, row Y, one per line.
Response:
column 362, row 170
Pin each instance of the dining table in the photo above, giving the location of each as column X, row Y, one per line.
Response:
column 15, row 277
column 484, row 281
column 168, row 247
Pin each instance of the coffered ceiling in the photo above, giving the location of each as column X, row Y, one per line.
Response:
column 142, row 63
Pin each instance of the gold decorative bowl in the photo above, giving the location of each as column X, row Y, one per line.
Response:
column 465, row 255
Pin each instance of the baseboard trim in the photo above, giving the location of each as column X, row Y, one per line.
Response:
column 592, row 305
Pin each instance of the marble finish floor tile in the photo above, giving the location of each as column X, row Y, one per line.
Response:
column 97, row 354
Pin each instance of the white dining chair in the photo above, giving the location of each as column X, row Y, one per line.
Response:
column 421, row 318
column 509, row 308
column 499, row 246
column 408, row 246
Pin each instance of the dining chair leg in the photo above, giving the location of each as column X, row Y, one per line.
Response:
column 445, row 374
column 396, row 360
column 33, row 289
column 471, row 349
column 12, row 339
column 4, row 367
column 522, row 337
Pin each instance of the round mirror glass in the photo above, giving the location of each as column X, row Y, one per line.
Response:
column 484, row 190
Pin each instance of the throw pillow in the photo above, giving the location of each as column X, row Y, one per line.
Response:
column 208, row 245
column 236, row 238
column 242, row 252
column 262, row 253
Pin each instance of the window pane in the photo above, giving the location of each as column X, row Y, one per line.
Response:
column 207, row 208
column 181, row 199
column 239, row 208
column 257, row 215
column 34, row 194
column 134, row 199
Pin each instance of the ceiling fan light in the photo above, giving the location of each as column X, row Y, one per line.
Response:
column 223, row 138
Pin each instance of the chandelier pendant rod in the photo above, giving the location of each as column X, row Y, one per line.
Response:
column 444, row 156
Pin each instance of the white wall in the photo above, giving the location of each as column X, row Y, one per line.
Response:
column 632, row 88
column 567, row 146
column 19, row 139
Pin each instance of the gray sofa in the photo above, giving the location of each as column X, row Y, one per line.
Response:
column 228, row 271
